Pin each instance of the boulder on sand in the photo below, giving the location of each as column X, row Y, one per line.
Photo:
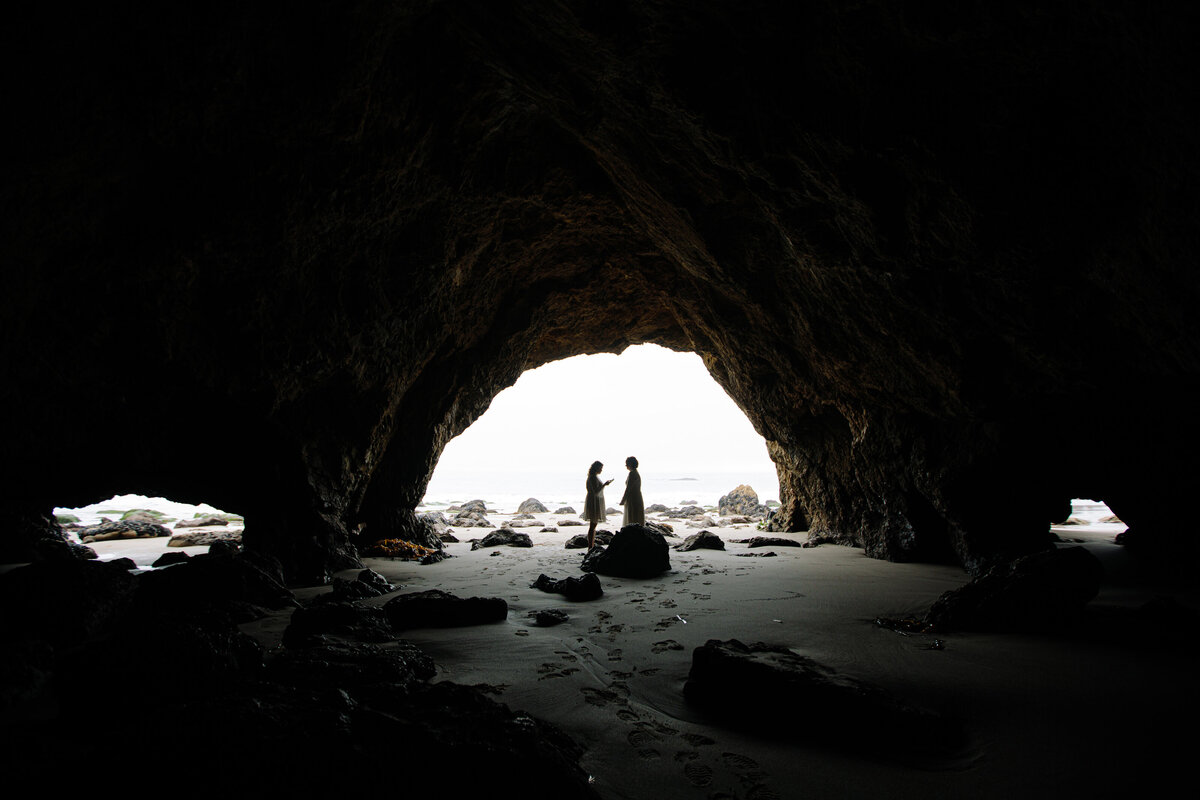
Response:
column 703, row 539
column 583, row 587
column 434, row 608
column 635, row 552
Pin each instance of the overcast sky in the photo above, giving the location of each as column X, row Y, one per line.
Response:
column 649, row 402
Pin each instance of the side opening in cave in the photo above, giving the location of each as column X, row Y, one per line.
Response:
column 538, row 437
column 147, row 529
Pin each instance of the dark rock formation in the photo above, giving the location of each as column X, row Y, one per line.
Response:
column 566, row 510
column 635, row 552
column 125, row 529
column 654, row 508
column 661, row 527
column 348, row 231
column 167, row 559
column 366, row 584
column 770, row 689
column 1042, row 592
column 197, row 538
column 503, row 538
column 223, row 578
column 434, row 608
column 580, row 540
column 200, row 522
column 550, row 616
column 314, row 625
column 771, row 541
column 578, row 588
column 703, row 539
column 65, row 603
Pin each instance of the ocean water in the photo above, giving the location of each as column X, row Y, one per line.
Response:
column 504, row 491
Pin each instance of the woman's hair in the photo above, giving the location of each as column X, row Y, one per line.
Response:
column 631, row 462
column 595, row 467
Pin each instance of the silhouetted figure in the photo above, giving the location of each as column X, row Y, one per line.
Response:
column 593, row 506
column 635, row 508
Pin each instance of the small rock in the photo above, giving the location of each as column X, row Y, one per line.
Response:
column 550, row 616
column 705, row 539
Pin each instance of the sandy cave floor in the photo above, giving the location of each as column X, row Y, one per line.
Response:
column 1046, row 716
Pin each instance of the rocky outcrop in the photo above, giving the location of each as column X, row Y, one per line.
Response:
column 634, row 552
column 1043, row 592
column 839, row 710
column 434, row 608
column 125, row 529
column 743, row 502
column 342, row 258
column 577, row 588
column 702, row 540
column 201, row 522
column 532, row 506
column 503, row 538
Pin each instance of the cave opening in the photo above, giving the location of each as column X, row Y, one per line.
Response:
column 146, row 530
column 692, row 441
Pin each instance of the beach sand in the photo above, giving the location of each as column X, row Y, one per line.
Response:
column 1078, row 716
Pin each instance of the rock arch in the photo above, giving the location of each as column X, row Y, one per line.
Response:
column 918, row 248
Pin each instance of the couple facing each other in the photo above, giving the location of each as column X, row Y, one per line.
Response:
column 593, row 506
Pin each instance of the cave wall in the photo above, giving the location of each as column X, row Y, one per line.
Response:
column 275, row 258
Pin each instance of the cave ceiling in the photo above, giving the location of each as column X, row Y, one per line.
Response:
column 941, row 255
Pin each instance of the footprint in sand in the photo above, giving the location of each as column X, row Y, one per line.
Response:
column 697, row 773
column 736, row 761
column 665, row 645
column 521, row 633
column 614, row 655
column 600, row 697
column 643, row 741
column 667, row 604
column 697, row 740
column 560, row 674
column 627, row 715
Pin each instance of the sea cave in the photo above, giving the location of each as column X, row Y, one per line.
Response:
column 289, row 252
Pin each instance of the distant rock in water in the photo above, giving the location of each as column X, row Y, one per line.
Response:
column 656, row 508
column 145, row 515
column 1111, row 520
column 477, row 506
column 532, row 506
column 566, row 510
column 201, row 522
column 125, row 529
column 1074, row 521
column 198, row 538
column 742, row 501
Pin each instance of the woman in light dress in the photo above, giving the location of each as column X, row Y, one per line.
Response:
column 593, row 506
column 635, row 508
